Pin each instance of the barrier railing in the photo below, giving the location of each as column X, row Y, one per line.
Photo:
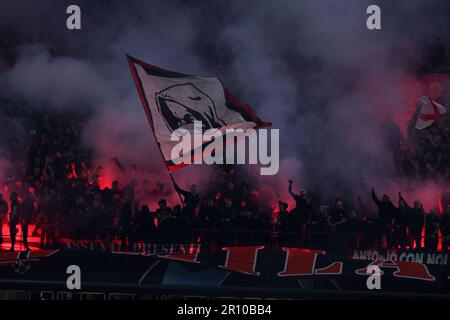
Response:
column 228, row 236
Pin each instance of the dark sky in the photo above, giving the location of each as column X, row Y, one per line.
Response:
column 284, row 25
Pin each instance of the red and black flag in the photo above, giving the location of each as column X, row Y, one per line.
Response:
column 174, row 101
column 429, row 112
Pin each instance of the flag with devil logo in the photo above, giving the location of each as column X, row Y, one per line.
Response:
column 174, row 101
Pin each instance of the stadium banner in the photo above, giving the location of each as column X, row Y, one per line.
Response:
column 249, row 267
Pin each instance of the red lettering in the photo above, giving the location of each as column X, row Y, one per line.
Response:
column 242, row 259
column 299, row 262
column 334, row 268
column 190, row 255
column 363, row 271
column 411, row 270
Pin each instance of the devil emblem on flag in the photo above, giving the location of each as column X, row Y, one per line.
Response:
column 174, row 101
column 182, row 104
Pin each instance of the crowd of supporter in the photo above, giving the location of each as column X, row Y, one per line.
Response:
column 59, row 193
column 424, row 154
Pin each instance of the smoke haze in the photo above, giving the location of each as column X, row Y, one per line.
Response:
column 312, row 68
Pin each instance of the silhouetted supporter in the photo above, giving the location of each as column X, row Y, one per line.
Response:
column 445, row 229
column 27, row 212
column 173, row 227
column 145, row 224
column 225, row 222
column 353, row 228
column 400, row 224
column 338, row 217
column 320, row 228
column 370, row 233
column 126, row 227
column 302, row 212
column 260, row 223
column 386, row 213
column 416, row 224
column 163, row 210
column 3, row 215
column 432, row 221
column 207, row 220
column 191, row 200
column 48, row 214
column 283, row 217
column 14, row 217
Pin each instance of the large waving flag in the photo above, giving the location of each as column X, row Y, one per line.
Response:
column 174, row 101
column 430, row 111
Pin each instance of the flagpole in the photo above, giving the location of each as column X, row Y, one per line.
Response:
column 143, row 101
column 174, row 185
column 170, row 174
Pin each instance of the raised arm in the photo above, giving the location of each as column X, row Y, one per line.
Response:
column 374, row 197
column 400, row 197
column 177, row 188
column 293, row 195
